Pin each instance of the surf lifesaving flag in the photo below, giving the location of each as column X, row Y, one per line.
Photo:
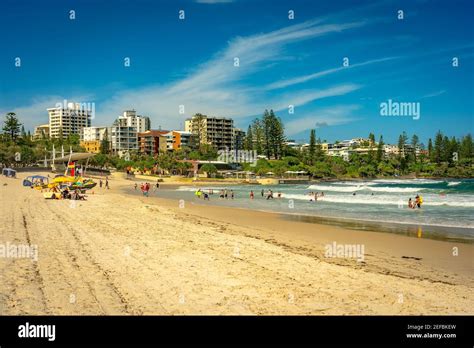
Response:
column 72, row 167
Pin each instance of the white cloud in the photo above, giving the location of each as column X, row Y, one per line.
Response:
column 216, row 87
column 305, row 78
column 434, row 94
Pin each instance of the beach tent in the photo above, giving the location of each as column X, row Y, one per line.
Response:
column 270, row 173
column 8, row 172
column 33, row 179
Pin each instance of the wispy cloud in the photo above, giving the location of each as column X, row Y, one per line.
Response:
column 217, row 88
column 305, row 78
column 434, row 94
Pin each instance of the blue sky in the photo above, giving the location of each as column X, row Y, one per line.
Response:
column 282, row 62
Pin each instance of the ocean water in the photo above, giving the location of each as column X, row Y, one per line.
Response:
column 448, row 205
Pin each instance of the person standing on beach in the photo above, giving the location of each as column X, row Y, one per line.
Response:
column 100, row 183
column 136, row 186
column 225, row 194
column 251, row 194
column 263, row 193
column 107, row 183
column 232, row 194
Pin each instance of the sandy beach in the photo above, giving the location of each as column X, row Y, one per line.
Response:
column 122, row 254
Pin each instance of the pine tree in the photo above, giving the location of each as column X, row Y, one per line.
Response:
column 370, row 154
column 12, row 126
column 277, row 135
column 446, row 149
column 466, row 149
column 415, row 142
column 312, row 147
column 267, row 139
column 453, row 149
column 198, row 128
column 379, row 155
column 104, row 144
column 402, row 139
column 438, row 148
column 371, row 139
column 257, row 132
column 430, row 150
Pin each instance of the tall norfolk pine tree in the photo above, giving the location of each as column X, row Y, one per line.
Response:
column 379, row 155
column 312, row 147
column 268, row 135
column 12, row 126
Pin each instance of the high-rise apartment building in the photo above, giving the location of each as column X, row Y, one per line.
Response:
column 124, row 132
column 216, row 131
column 177, row 140
column 68, row 119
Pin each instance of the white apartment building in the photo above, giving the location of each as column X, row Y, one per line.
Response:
column 391, row 150
column 94, row 133
column 70, row 119
column 131, row 119
column 124, row 132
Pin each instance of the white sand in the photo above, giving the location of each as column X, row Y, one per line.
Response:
column 114, row 254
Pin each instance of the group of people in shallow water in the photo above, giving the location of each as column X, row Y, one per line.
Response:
column 145, row 187
column 226, row 194
column 268, row 195
column 415, row 204
column 313, row 196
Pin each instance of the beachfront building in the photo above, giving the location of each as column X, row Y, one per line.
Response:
column 124, row 132
column 68, row 120
column 131, row 119
column 238, row 136
column 94, row 133
column 391, row 150
column 91, row 146
column 292, row 144
column 343, row 152
column 176, row 140
column 92, row 137
column 152, row 142
column 41, row 132
column 216, row 131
